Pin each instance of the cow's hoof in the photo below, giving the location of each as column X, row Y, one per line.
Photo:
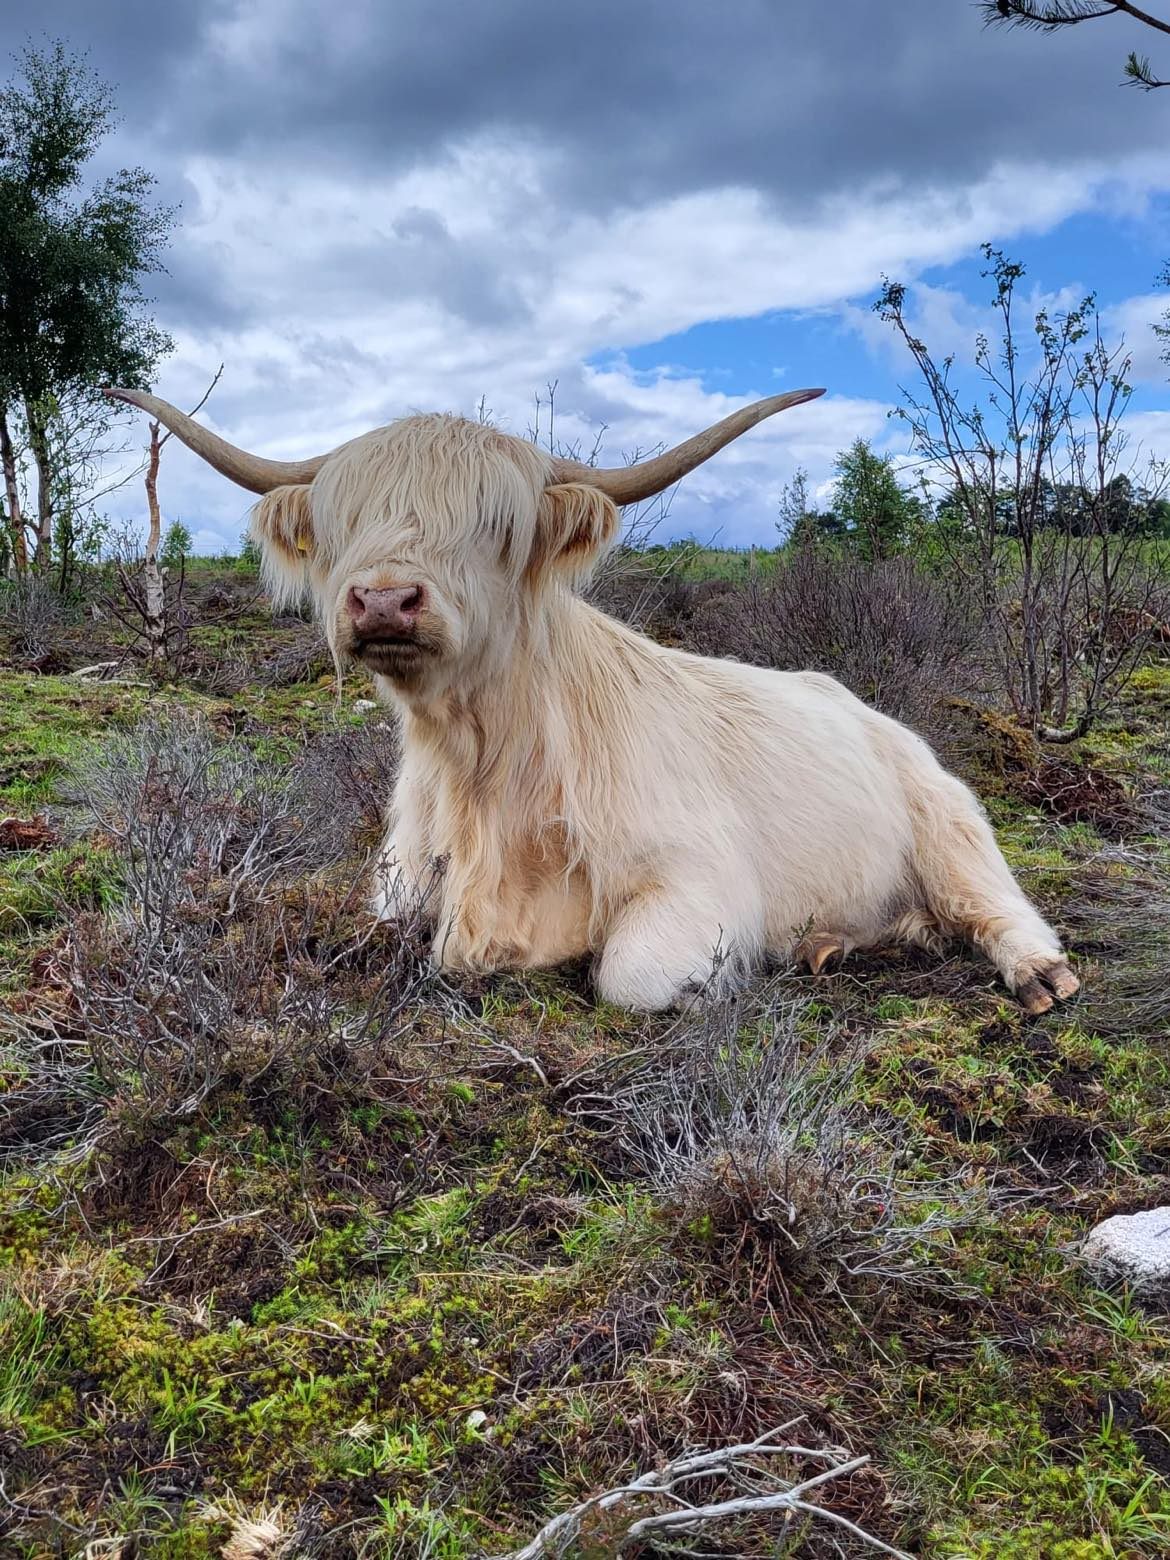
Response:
column 819, row 949
column 1040, row 982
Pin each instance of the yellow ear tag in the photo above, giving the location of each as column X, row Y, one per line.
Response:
column 302, row 547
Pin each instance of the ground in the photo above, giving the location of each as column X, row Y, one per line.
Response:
column 294, row 1232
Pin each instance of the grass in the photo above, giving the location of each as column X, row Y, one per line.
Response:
column 689, row 560
column 407, row 1293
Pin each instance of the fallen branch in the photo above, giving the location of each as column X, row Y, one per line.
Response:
column 562, row 1533
column 100, row 671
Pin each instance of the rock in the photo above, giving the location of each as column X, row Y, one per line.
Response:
column 1135, row 1247
column 362, row 705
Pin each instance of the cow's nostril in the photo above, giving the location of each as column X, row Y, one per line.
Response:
column 385, row 612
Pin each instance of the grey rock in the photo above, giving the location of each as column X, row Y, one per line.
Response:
column 1134, row 1247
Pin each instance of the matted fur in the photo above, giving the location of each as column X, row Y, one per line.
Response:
column 591, row 791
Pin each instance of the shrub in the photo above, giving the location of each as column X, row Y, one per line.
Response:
column 242, row 912
column 755, row 1148
column 32, row 612
column 898, row 637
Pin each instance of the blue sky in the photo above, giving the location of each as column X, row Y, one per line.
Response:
column 1117, row 255
column 1091, row 252
column 667, row 209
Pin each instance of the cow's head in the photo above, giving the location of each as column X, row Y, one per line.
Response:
column 428, row 543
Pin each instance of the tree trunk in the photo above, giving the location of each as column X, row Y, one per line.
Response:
column 39, row 444
column 16, row 537
column 154, row 595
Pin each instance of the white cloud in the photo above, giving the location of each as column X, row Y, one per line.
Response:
column 362, row 290
column 1134, row 320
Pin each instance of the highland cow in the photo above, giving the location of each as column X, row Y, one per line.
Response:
column 588, row 790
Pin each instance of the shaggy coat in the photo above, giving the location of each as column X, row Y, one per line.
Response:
column 589, row 791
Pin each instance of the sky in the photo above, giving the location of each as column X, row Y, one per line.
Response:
column 665, row 208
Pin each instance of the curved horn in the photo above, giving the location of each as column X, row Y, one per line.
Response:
column 631, row 484
column 250, row 471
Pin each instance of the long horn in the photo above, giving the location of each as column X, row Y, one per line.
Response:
column 250, row 471
column 631, row 484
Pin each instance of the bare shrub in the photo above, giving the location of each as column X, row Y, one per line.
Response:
column 624, row 581
column 632, row 586
column 301, row 656
column 178, row 800
column 241, row 949
column 898, row 637
column 348, row 773
column 1041, row 513
column 754, row 1145
column 32, row 612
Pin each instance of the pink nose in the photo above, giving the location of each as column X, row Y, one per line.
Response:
column 384, row 614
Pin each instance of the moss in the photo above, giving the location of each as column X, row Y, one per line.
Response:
column 301, row 1288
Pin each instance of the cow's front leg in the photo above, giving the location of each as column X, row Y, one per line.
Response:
column 406, row 871
column 664, row 951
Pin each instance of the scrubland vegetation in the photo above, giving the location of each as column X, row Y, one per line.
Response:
column 308, row 1251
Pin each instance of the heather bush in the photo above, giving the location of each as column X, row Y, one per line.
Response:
column 898, row 637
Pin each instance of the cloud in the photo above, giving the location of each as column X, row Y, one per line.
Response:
column 389, row 208
column 638, row 102
column 349, row 304
column 1133, row 321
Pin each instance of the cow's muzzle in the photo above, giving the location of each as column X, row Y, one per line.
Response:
column 387, row 615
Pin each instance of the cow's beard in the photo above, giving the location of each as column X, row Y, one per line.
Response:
column 393, row 657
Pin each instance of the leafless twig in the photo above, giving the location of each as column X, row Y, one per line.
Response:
column 625, row 1516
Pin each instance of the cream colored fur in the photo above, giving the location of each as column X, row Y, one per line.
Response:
column 591, row 791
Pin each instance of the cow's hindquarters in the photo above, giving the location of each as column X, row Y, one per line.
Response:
column 969, row 890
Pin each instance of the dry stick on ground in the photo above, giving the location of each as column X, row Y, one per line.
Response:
column 682, row 1516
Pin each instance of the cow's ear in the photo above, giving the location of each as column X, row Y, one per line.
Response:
column 576, row 523
column 282, row 527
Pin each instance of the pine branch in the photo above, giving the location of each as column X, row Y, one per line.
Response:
column 1051, row 15
column 1139, row 73
column 1045, row 15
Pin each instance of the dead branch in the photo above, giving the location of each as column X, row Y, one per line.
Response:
column 630, row 1521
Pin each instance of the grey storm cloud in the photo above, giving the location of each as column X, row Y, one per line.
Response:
column 659, row 97
column 347, row 247
column 800, row 101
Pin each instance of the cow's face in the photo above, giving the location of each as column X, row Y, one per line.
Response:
column 426, row 545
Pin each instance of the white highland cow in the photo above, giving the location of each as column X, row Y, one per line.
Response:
column 588, row 790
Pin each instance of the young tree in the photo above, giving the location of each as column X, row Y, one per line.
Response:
column 72, row 261
column 1053, row 15
column 870, row 504
column 176, row 545
column 1032, row 475
column 146, row 594
column 802, row 523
